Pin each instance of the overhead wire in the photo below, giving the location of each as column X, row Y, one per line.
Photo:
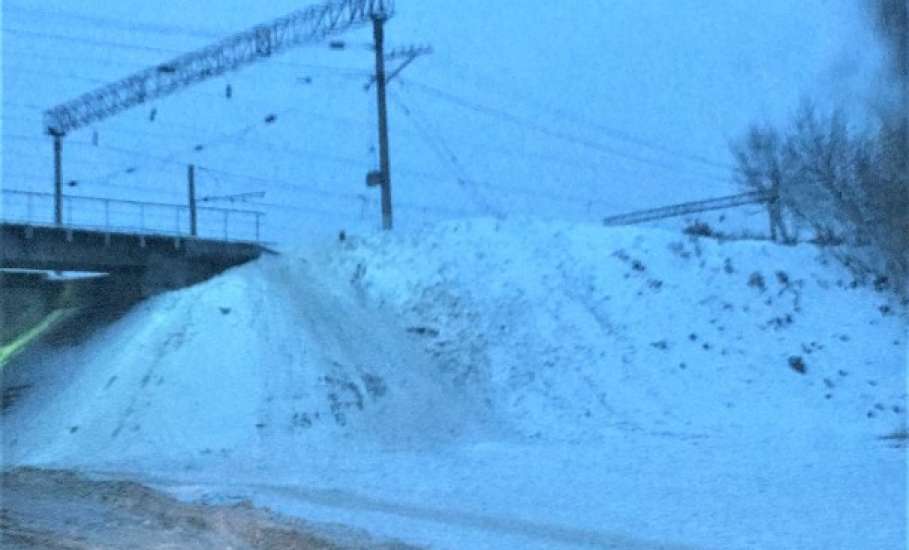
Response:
column 561, row 112
column 446, row 155
column 439, row 149
column 560, row 135
column 158, row 160
column 108, row 22
column 349, row 71
column 94, row 80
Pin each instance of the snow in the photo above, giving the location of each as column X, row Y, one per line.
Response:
column 537, row 311
column 475, row 383
column 489, row 383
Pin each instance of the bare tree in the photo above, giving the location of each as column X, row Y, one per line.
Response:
column 759, row 158
column 848, row 187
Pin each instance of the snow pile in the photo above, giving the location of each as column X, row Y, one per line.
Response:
column 502, row 384
column 572, row 331
column 547, row 330
column 261, row 364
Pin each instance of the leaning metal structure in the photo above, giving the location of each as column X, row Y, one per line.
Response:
column 753, row 197
column 247, row 47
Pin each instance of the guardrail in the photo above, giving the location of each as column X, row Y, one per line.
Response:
column 130, row 216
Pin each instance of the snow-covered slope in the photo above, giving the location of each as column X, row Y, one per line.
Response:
column 248, row 366
column 572, row 330
column 557, row 331
column 487, row 383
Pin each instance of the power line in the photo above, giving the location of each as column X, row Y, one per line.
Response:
column 350, row 72
column 89, row 41
column 118, row 24
column 29, row 106
column 170, row 159
column 275, row 181
column 93, row 80
column 440, row 149
column 536, row 127
column 445, row 154
column 296, row 111
column 241, row 49
column 613, row 133
column 22, row 137
column 345, row 72
column 312, row 191
column 165, row 158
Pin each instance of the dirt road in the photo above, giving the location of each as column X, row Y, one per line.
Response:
column 50, row 509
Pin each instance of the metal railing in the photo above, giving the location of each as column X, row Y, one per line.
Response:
column 130, row 216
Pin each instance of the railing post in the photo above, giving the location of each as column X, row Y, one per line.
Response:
column 142, row 216
column 226, row 214
column 191, row 179
column 258, row 216
column 58, row 178
column 69, row 212
column 28, row 207
column 106, row 213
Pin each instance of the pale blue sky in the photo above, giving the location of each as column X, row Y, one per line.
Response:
column 613, row 100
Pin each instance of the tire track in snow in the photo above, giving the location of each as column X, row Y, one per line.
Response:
column 554, row 533
column 549, row 533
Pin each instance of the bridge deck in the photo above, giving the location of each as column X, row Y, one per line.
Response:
column 36, row 246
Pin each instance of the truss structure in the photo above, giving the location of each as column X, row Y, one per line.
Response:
column 260, row 42
column 754, row 197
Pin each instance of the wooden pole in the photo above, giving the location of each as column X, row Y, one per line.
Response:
column 378, row 23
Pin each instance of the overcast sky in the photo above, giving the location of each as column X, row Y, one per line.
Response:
column 564, row 109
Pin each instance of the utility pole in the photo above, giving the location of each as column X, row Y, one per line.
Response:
column 191, row 179
column 58, row 177
column 382, row 178
column 378, row 24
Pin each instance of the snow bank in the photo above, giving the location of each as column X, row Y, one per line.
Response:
column 263, row 364
column 572, row 331
column 503, row 384
column 551, row 331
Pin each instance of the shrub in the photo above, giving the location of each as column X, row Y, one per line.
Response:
column 846, row 186
column 699, row 229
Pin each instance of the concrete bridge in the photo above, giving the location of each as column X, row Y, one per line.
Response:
column 141, row 247
column 125, row 237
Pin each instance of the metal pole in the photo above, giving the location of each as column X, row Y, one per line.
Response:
column 378, row 23
column 191, row 175
column 58, row 178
